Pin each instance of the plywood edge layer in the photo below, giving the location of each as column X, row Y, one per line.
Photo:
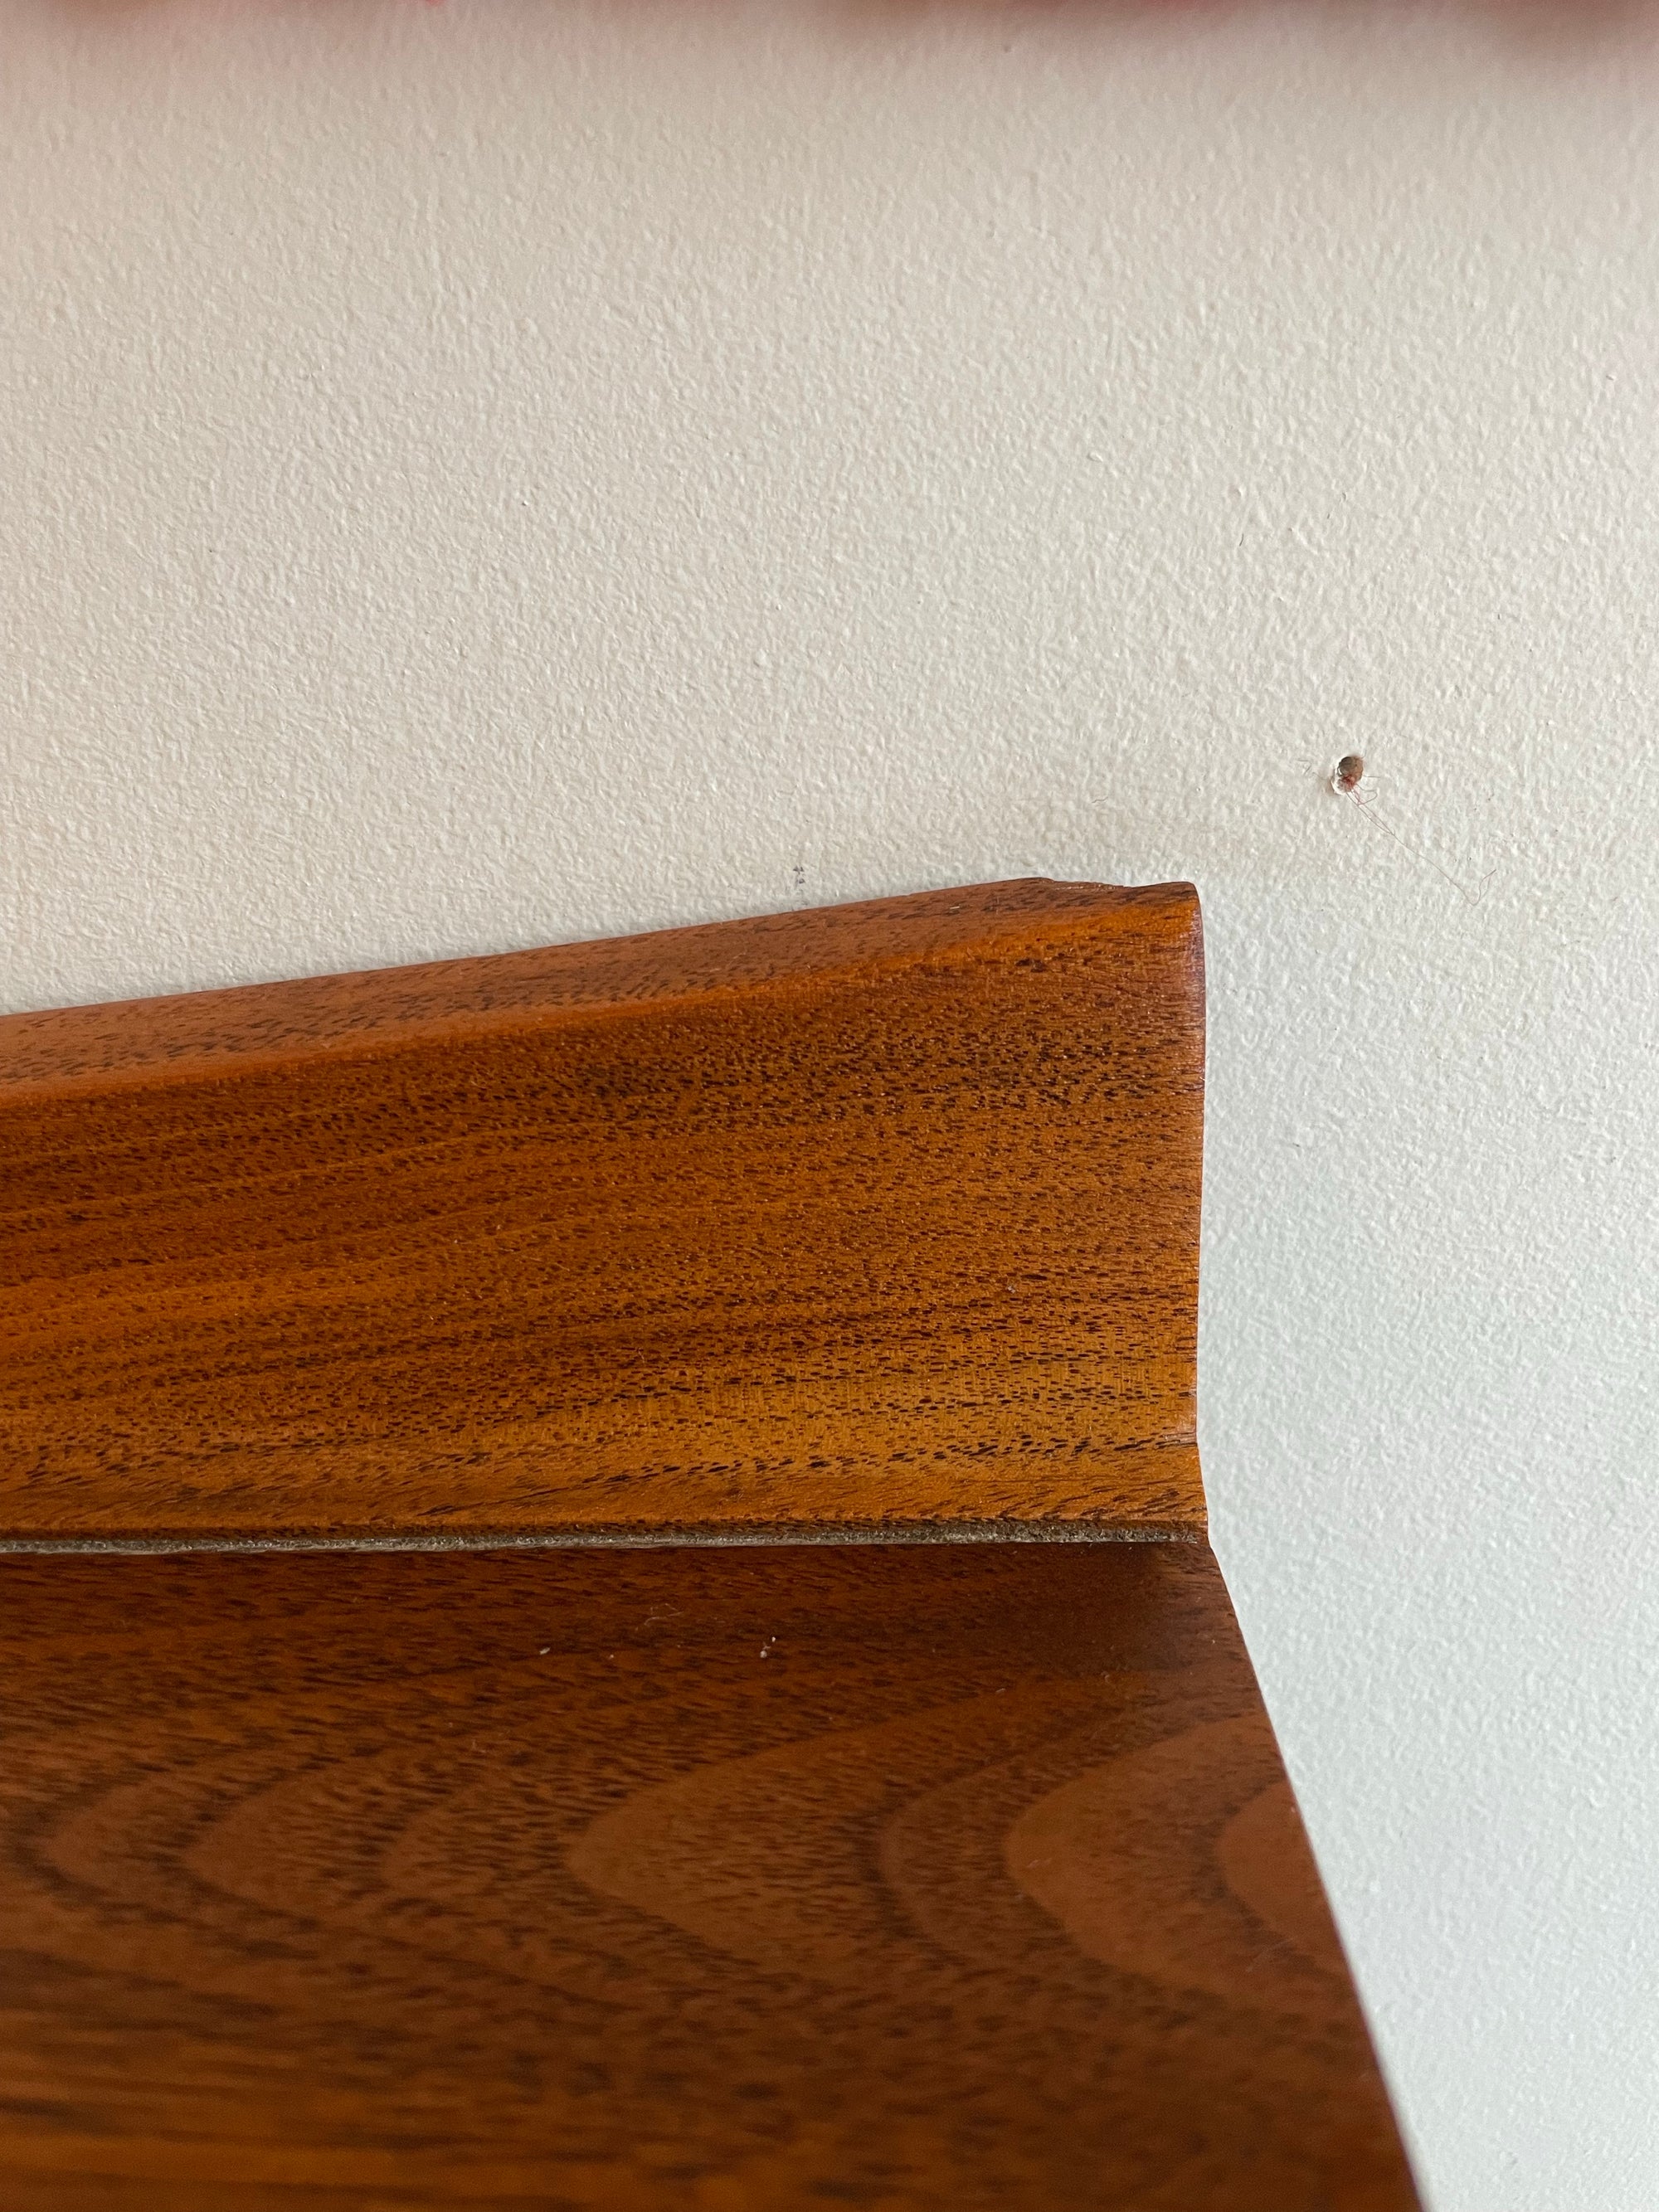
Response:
column 707, row 1536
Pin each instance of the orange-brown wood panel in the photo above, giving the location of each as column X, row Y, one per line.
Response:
column 880, row 1217
column 961, row 1877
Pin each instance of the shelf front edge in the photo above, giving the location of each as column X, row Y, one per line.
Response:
column 879, row 1221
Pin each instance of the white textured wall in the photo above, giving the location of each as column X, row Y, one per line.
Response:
column 508, row 472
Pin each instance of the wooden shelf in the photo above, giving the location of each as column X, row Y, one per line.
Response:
column 948, row 1875
column 811, row 1761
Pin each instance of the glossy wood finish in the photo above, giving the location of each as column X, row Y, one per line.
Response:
column 962, row 1877
column 878, row 1217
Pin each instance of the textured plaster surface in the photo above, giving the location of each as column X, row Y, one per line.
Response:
column 487, row 475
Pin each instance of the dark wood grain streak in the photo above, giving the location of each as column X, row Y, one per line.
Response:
column 963, row 1878
column 883, row 1216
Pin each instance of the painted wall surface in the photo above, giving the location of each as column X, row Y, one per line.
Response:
column 506, row 472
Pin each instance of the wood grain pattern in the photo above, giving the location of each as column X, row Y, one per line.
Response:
column 960, row 1877
column 879, row 1218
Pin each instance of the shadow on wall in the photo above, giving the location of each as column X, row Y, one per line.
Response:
column 1565, row 23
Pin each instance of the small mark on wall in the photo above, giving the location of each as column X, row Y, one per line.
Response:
column 1345, row 779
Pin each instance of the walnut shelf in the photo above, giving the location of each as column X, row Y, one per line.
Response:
column 631, row 1847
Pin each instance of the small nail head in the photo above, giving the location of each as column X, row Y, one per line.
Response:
column 1349, row 769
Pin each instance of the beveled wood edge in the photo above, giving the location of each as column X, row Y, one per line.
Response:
column 208, row 1037
column 195, row 1034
